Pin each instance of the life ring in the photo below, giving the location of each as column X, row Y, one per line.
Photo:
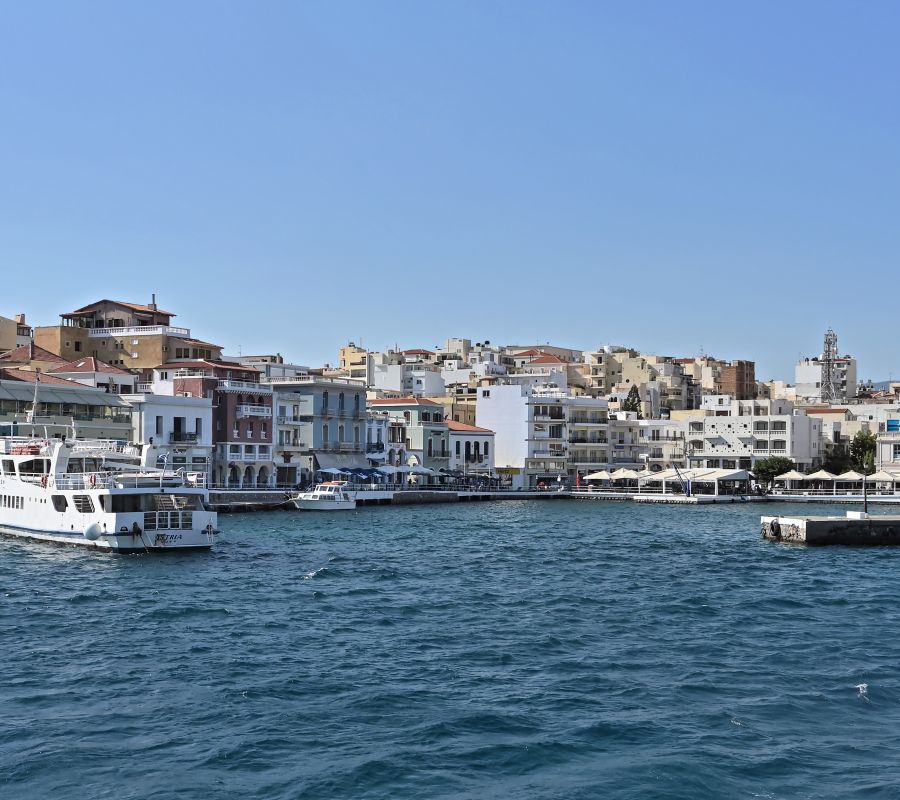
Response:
column 92, row 480
column 775, row 529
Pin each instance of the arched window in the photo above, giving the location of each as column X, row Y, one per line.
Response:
column 468, row 451
column 487, row 449
column 430, row 447
column 340, row 433
column 325, row 434
column 477, row 448
column 341, row 401
column 325, row 401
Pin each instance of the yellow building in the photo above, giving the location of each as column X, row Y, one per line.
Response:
column 127, row 335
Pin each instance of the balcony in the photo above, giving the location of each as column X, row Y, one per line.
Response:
column 350, row 447
column 587, row 440
column 144, row 388
column 245, row 386
column 183, row 436
column 291, row 421
column 549, row 418
column 141, row 330
column 254, row 411
column 375, row 447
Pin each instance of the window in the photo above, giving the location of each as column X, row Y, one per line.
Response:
column 487, row 450
column 198, row 427
column 159, row 426
column 77, row 347
column 458, row 447
column 430, row 448
column 59, row 502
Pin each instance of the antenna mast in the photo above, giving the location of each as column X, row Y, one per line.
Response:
column 829, row 355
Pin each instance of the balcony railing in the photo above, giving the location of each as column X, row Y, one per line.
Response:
column 254, row 411
column 183, row 436
column 246, row 386
column 291, row 421
column 375, row 447
column 141, row 330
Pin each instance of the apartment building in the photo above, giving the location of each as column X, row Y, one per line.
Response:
column 427, row 435
column 752, row 430
column 321, row 424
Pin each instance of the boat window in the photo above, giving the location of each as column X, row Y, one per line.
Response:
column 59, row 502
column 125, row 503
column 9, row 466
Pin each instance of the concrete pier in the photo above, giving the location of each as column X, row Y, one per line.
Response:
column 856, row 528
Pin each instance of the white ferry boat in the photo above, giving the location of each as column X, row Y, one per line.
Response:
column 330, row 496
column 101, row 494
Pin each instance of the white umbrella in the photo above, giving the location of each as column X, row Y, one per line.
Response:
column 793, row 475
column 882, row 477
column 821, row 475
column 603, row 475
column 850, row 475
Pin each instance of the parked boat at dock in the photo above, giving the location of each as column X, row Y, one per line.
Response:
column 330, row 496
column 101, row 494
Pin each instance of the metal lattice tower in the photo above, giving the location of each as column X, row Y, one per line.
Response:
column 829, row 355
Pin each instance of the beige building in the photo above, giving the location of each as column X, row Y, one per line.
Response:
column 127, row 335
column 14, row 332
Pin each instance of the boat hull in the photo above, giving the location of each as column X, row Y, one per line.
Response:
column 325, row 505
column 145, row 542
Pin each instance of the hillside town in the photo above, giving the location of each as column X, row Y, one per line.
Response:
column 517, row 416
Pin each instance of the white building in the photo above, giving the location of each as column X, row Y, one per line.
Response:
column 532, row 432
column 808, row 379
column 753, row 430
column 182, row 424
column 415, row 379
column 471, row 449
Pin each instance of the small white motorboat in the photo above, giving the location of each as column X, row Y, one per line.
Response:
column 330, row 496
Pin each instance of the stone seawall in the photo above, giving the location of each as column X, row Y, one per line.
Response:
column 858, row 531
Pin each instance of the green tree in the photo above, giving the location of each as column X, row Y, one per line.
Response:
column 766, row 469
column 837, row 461
column 633, row 401
column 862, row 452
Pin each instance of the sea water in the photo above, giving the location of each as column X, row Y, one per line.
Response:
column 498, row 650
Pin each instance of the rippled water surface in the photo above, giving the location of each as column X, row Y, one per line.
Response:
column 507, row 650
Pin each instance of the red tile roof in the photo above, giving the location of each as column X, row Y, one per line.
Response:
column 90, row 364
column 27, row 376
column 530, row 352
column 826, row 410
column 461, row 427
column 402, row 401
column 546, row 359
column 418, row 352
column 133, row 306
column 31, row 352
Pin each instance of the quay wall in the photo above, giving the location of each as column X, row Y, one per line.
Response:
column 881, row 530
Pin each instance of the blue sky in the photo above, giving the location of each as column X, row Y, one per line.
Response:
column 289, row 176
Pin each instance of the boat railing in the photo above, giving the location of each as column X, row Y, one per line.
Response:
column 115, row 480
